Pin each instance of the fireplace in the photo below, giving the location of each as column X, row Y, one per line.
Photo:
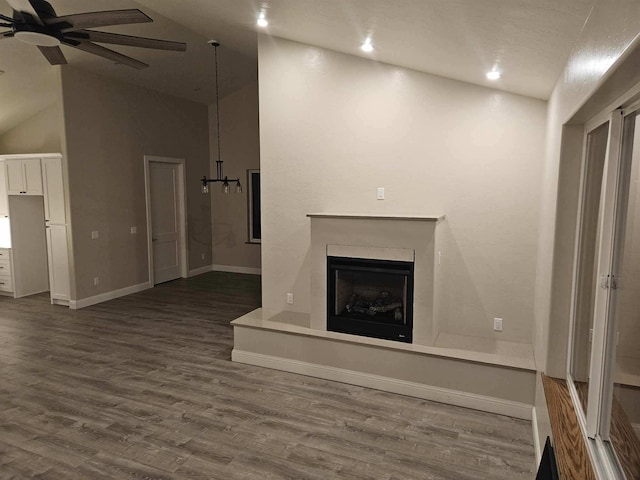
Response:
column 368, row 297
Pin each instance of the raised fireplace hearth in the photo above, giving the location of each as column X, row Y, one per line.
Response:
column 370, row 297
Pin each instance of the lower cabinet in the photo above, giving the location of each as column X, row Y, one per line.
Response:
column 6, row 278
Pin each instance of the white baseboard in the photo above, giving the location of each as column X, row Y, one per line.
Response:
column 402, row 387
column 232, row 269
column 200, row 271
column 536, row 435
column 105, row 297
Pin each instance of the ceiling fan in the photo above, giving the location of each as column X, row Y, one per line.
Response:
column 35, row 22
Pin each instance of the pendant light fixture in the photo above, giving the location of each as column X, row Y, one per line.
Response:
column 220, row 177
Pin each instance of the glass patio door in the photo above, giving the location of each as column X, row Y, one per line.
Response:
column 604, row 364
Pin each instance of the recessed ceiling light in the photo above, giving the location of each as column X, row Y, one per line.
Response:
column 262, row 20
column 493, row 75
column 367, row 46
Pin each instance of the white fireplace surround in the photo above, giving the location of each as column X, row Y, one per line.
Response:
column 409, row 238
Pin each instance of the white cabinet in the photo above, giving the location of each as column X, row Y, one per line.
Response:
column 56, row 226
column 24, row 176
column 32, row 194
column 54, row 197
column 58, row 263
column 6, row 277
column 4, row 203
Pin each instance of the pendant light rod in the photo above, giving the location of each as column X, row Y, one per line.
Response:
column 220, row 177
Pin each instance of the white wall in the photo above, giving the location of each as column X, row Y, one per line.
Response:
column 612, row 27
column 240, row 151
column 334, row 127
column 610, row 30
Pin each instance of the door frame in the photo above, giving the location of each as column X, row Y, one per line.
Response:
column 182, row 211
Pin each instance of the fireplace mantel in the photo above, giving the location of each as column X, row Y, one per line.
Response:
column 373, row 216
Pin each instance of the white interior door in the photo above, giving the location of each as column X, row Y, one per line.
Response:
column 165, row 209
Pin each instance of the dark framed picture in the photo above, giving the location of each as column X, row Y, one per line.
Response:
column 255, row 228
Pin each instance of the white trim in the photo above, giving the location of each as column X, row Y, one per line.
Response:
column 233, row 269
column 182, row 206
column 387, row 384
column 105, row 297
column 536, row 435
column 30, row 155
column 200, row 270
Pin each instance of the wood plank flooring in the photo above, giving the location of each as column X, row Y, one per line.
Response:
column 143, row 387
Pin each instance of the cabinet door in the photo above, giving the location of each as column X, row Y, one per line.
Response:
column 54, row 211
column 32, row 176
column 4, row 201
column 58, row 262
column 15, row 177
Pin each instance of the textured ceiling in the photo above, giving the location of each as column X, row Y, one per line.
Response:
column 528, row 40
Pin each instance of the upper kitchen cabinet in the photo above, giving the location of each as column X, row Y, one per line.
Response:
column 24, row 176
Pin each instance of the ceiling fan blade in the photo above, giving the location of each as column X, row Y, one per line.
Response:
column 80, row 21
column 117, row 39
column 54, row 55
column 25, row 6
column 107, row 53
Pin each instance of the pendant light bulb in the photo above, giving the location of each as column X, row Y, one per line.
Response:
column 225, row 188
column 238, row 187
column 205, row 189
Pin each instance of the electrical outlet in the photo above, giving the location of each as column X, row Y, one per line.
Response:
column 497, row 324
column 95, row 234
column 439, row 258
column 202, row 256
column 134, row 230
column 96, row 281
column 380, row 195
column 290, row 298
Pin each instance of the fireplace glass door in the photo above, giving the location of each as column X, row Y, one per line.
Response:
column 370, row 297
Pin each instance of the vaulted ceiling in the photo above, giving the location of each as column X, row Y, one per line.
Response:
column 529, row 41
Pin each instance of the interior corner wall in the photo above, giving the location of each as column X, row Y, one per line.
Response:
column 109, row 127
column 40, row 133
column 240, row 151
column 334, row 127
column 611, row 29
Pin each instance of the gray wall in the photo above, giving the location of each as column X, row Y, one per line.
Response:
column 110, row 126
column 240, row 151
column 40, row 133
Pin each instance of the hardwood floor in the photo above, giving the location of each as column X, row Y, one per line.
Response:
column 143, row 387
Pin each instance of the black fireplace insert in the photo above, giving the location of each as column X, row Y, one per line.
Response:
column 373, row 298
